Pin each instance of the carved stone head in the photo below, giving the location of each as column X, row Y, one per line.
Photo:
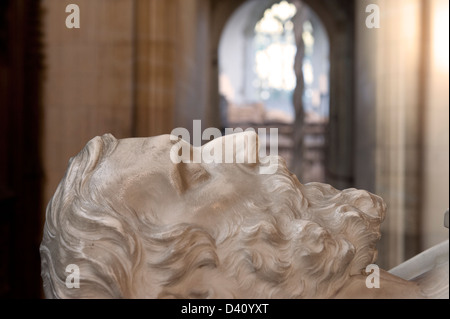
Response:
column 138, row 225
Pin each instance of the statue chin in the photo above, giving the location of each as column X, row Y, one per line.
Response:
column 139, row 218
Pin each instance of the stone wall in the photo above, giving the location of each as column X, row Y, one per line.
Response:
column 435, row 157
column 88, row 88
column 133, row 68
column 398, row 127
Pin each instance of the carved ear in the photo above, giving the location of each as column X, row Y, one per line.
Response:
column 233, row 148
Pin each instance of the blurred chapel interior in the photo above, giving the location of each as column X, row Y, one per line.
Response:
column 358, row 89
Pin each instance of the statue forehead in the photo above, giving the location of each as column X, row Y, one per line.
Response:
column 143, row 143
column 136, row 146
column 139, row 153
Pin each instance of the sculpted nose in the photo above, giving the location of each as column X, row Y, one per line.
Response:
column 233, row 148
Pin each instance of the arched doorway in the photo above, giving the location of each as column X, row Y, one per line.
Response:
column 256, row 70
column 311, row 98
column 259, row 86
column 337, row 18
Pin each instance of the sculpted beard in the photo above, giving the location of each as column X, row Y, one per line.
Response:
column 267, row 236
column 288, row 240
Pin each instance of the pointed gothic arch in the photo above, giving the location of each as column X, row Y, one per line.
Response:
column 337, row 18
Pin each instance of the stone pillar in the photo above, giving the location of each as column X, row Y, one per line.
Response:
column 87, row 81
column 398, row 128
column 155, row 24
column 193, row 84
column 365, row 99
column 298, row 20
column 171, row 70
column 338, row 21
column 339, row 159
column 435, row 114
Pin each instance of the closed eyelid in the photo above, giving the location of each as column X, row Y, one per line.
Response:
column 187, row 175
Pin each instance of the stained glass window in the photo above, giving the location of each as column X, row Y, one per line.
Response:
column 275, row 50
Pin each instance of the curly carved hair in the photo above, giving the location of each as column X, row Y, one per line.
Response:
column 280, row 240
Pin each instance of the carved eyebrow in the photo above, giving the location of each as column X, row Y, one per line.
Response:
column 175, row 141
column 188, row 175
